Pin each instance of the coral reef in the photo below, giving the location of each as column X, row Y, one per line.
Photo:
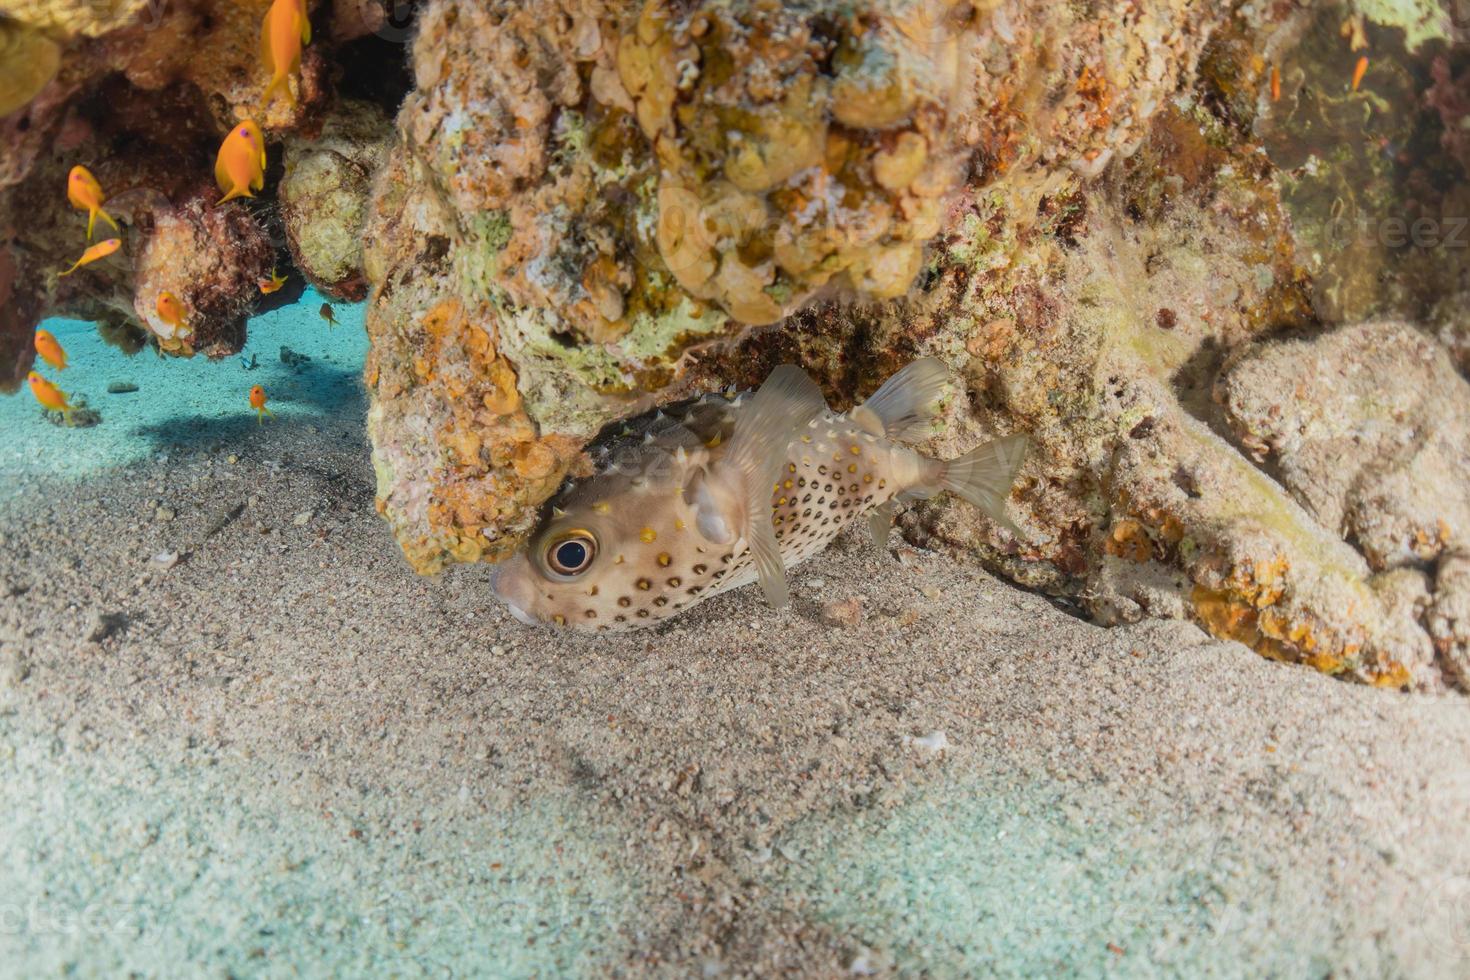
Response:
column 141, row 93
column 1219, row 281
column 1103, row 221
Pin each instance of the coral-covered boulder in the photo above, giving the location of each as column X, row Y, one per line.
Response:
column 212, row 260
column 323, row 196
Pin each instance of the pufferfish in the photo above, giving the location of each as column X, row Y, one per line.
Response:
column 721, row 491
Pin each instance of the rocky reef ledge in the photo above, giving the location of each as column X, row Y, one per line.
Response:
column 1212, row 257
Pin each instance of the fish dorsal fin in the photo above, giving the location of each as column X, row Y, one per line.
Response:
column 787, row 401
column 904, row 405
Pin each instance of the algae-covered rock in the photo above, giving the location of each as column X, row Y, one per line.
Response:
column 1368, row 427
column 28, row 61
column 212, row 260
column 324, row 193
column 602, row 188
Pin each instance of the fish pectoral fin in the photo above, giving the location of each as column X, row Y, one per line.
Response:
column 880, row 522
column 765, row 550
column 905, row 403
column 764, row 428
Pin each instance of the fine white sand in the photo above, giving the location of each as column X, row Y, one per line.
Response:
column 237, row 734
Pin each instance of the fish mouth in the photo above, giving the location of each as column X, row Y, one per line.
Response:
column 503, row 583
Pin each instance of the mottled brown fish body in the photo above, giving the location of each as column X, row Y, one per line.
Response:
column 667, row 521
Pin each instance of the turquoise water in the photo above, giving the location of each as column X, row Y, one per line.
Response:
column 188, row 404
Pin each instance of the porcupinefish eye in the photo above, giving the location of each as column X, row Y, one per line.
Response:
column 571, row 553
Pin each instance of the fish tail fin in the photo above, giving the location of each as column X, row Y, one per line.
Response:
column 108, row 218
column 984, row 475
column 91, row 221
column 234, row 193
column 74, row 268
column 905, row 403
column 279, row 83
column 787, row 401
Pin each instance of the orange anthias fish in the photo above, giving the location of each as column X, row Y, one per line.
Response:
column 257, row 402
column 85, row 194
column 171, row 311
column 99, row 251
column 1359, row 70
column 282, row 34
column 239, row 169
column 50, row 396
column 328, row 314
column 50, row 350
column 272, row 284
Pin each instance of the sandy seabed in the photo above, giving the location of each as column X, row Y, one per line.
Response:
column 239, row 737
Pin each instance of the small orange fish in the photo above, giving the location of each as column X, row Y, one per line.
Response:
column 99, row 251
column 1359, row 70
column 1275, row 84
column 272, row 284
column 282, row 34
column 50, row 396
column 171, row 311
column 85, row 194
column 239, row 169
column 257, row 402
column 50, row 350
column 328, row 315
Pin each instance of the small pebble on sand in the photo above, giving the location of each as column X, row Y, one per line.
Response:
column 846, row 612
column 935, row 741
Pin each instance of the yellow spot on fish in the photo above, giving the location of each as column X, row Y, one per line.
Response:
column 806, row 438
column 618, row 560
column 679, row 524
column 644, row 585
column 559, row 619
column 664, row 559
column 867, row 478
column 602, row 507
column 854, row 450
column 787, row 485
column 592, row 591
column 675, row 582
column 647, row 535
column 713, row 442
column 790, row 467
column 852, row 467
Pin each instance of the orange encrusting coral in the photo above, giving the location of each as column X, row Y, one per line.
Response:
column 492, row 448
column 1246, row 610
